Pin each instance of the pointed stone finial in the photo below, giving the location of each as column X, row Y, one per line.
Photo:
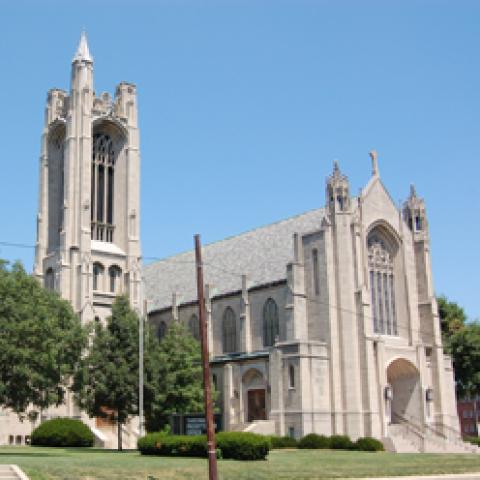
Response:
column 336, row 167
column 413, row 192
column 373, row 156
column 83, row 53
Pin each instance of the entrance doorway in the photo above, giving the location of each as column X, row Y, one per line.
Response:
column 256, row 405
column 406, row 399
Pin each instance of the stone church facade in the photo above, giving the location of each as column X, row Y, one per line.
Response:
column 325, row 322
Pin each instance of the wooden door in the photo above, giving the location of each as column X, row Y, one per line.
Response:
column 256, row 405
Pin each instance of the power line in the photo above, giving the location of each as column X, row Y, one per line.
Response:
column 239, row 275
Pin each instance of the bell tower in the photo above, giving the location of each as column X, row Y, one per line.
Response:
column 88, row 244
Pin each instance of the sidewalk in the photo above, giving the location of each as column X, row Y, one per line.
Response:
column 11, row 472
column 447, row 476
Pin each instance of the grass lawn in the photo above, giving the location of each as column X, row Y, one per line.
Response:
column 93, row 464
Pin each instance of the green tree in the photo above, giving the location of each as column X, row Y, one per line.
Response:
column 41, row 341
column 179, row 385
column 452, row 317
column 464, row 345
column 107, row 383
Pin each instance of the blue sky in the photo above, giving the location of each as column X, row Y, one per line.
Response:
column 243, row 106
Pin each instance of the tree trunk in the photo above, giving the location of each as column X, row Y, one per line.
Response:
column 119, row 433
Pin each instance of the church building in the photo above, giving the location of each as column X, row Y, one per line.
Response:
column 325, row 322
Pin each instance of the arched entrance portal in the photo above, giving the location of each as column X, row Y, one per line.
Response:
column 405, row 398
column 254, row 395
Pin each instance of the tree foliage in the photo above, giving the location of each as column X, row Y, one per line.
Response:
column 41, row 340
column 452, row 317
column 464, row 346
column 179, row 381
column 462, row 340
column 107, row 383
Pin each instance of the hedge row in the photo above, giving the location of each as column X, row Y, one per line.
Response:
column 62, row 432
column 340, row 442
column 235, row 445
column 474, row 440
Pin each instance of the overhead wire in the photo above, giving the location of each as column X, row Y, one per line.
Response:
column 209, row 263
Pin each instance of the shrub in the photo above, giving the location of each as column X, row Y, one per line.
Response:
column 243, row 445
column 236, row 445
column 369, row 444
column 341, row 442
column 282, row 442
column 62, row 432
column 312, row 440
column 173, row 445
column 474, row 440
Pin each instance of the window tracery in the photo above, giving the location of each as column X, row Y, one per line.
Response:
column 382, row 285
column 103, row 165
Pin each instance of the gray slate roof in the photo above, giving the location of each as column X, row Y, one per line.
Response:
column 261, row 254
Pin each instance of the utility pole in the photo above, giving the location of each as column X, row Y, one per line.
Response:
column 141, row 318
column 212, row 454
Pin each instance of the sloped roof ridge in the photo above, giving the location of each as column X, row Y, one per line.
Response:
column 231, row 237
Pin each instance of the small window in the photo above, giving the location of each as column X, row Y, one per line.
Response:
column 229, row 331
column 49, row 279
column 291, row 376
column 162, row 330
column 18, row 440
column 97, row 276
column 194, row 327
column 114, row 275
column 291, row 432
column 215, row 382
column 11, row 439
column 316, row 280
column 97, row 319
column 271, row 327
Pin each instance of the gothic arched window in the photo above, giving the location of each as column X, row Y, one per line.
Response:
column 97, row 276
column 382, row 284
column 194, row 327
column 271, row 328
column 114, row 275
column 229, row 328
column 49, row 279
column 103, row 164
column 162, row 330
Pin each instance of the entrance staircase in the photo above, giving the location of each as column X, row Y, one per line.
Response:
column 264, row 427
column 409, row 436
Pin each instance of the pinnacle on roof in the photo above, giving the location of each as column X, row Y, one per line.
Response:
column 83, row 53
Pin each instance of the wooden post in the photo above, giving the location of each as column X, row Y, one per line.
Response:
column 212, row 454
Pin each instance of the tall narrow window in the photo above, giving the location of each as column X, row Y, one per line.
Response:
column 114, row 275
column 97, row 276
column 291, row 376
column 103, row 169
column 49, row 279
column 229, row 328
column 381, row 265
column 271, row 327
column 194, row 327
column 162, row 330
column 316, row 280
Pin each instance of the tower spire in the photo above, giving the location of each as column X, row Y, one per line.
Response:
column 83, row 53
